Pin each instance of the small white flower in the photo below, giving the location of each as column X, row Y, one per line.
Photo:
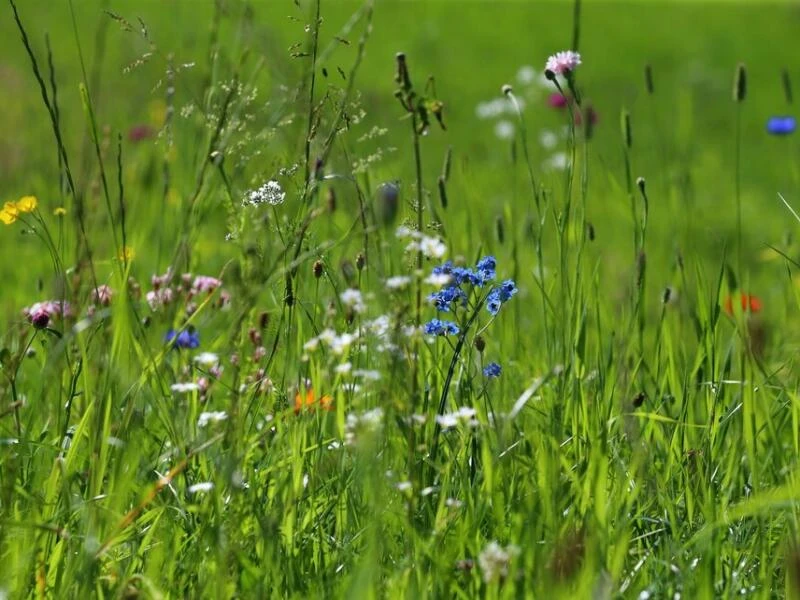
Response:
column 464, row 415
column 366, row 422
column 404, row 232
column 341, row 343
column 352, row 298
column 494, row 560
column 557, row 161
column 201, row 488
column 427, row 491
column 526, row 74
column 311, row 344
column 367, row 375
column 447, row 421
column 343, row 368
column 183, row 388
column 430, row 247
column 398, row 282
column 548, row 139
column 453, row 503
column 271, row 193
column 211, row 417
column 379, row 326
column 491, row 109
column 438, row 279
column 207, row 359
column 504, row 130
column 403, row 486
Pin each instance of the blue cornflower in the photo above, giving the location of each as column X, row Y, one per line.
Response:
column 492, row 370
column 465, row 275
column 499, row 295
column 186, row 338
column 507, row 289
column 438, row 327
column 493, row 302
column 486, row 268
column 781, row 125
column 443, row 269
column 447, row 297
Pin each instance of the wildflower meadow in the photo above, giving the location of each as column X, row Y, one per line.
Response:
column 399, row 299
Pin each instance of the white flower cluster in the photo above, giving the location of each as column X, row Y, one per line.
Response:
column 336, row 343
column 269, row 193
column 211, row 417
column 463, row 416
column 494, row 561
column 366, row 423
column 431, row 247
column 354, row 299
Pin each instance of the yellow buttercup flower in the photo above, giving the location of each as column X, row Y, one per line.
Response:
column 60, row 211
column 9, row 213
column 26, row 204
column 7, row 217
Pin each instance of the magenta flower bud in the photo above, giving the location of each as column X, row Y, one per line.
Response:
column 557, row 100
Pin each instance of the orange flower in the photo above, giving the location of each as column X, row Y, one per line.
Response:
column 308, row 400
column 749, row 303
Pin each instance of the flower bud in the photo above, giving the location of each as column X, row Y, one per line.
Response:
column 740, row 83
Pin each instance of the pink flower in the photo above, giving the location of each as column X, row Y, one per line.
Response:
column 562, row 63
column 557, row 100
column 137, row 133
column 159, row 297
column 102, row 295
column 158, row 281
column 203, row 283
column 41, row 313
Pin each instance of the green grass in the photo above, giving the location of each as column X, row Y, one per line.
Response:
column 640, row 439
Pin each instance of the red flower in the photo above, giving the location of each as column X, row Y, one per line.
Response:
column 749, row 303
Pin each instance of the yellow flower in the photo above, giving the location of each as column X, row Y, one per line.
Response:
column 127, row 254
column 9, row 213
column 7, row 217
column 26, row 204
column 60, row 211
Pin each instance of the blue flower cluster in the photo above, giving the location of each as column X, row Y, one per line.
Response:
column 186, row 338
column 492, row 370
column 437, row 327
column 500, row 295
column 483, row 272
column 451, row 297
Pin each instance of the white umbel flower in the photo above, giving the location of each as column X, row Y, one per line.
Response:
column 269, row 193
